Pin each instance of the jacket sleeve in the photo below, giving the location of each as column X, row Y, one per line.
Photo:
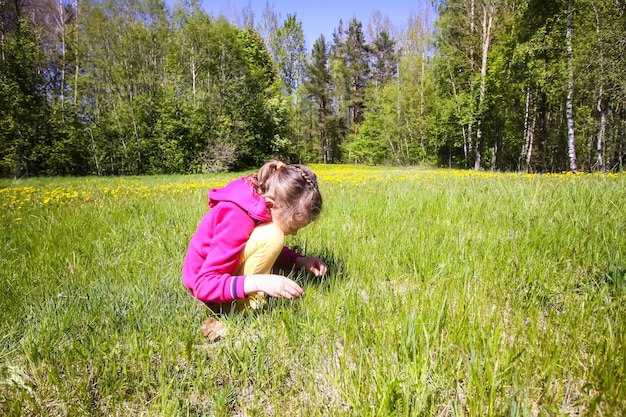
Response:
column 287, row 259
column 220, row 242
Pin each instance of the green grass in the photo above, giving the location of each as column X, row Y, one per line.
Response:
column 449, row 293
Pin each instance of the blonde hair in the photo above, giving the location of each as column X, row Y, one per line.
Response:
column 293, row 187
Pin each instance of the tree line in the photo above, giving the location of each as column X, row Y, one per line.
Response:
column 117, row 87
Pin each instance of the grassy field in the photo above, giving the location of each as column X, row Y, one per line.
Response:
column 449, row 293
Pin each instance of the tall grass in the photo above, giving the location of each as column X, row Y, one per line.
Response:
column 449, row 293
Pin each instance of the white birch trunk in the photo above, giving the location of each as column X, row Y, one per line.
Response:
column 470, row 125
column 61, row 23
column 466, row 145
column 530, row 121
column 571, row 137
column 526, row 123
column 531, row 139
column 95, row 156
column 422, row 100
column 472, row 30
column 193, row 75
column 601, row 132
column 600, row 106
column 76, row 66
column 486, row 40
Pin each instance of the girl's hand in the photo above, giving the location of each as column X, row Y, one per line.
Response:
column 272, row 285
column 314, row 265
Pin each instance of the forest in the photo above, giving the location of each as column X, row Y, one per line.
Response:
column 132, row 87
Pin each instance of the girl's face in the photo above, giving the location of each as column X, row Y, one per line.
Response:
column 289, row 227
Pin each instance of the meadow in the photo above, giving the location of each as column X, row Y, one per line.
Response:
column 449, row 293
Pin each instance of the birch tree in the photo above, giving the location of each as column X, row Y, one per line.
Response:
column 488, row 12
column 571, row 136
column 288, row 50
column 600, row 105
column 414, row 101
column 458, row 70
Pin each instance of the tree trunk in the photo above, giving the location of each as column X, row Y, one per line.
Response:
column 531, row 139
column 600, row 106
column 571, row 137
column 470, row 126
column 601, row 132
column 526, row 145
column 422, row 101
column 392, row 147
column 95, row 153
column 466, row 142
column 472, row 28
column 486, row 40
column 403, row 144
column 193, row 73
column 76, row 64
column 61, row 23
column 530, row 122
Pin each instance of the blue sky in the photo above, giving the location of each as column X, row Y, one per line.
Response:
column 320, row 16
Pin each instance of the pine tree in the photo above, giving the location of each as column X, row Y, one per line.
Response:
column 317, row 87
column 357, row 71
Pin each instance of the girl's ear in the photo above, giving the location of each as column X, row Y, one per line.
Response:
column 269, row 202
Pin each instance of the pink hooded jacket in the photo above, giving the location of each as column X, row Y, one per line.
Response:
column 213, row 253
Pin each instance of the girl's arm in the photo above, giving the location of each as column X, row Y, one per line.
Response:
column 314, row 265
column 214, row 258
column 289, row 258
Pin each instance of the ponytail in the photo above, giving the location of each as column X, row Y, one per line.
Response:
column 293, row 187
column 268, row 169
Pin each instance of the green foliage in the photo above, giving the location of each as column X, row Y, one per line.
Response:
column 320, row 114
column 523, row 113
column 369, row 147
column 136, row 87
column 289, row 53
column 143, row 92
column 22, row 105
column 349, row 60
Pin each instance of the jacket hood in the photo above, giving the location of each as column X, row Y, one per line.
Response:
column 241, row 193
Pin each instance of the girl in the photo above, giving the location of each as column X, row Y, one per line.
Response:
column 240, row 240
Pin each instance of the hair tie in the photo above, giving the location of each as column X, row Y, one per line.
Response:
column 279, row 165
